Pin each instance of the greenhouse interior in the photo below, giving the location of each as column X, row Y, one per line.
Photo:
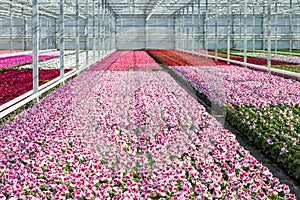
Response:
column 158, row 99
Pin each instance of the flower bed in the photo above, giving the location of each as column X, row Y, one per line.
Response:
column 288, row 63
column 69, row 62
column 292, row 62
column 175, row 58
column 14, row 61
column 260, row 61
column 276, row 57
column 127, row 61
column 17, row 82
column 151, row 142
column 106, row 62
column 263, row 106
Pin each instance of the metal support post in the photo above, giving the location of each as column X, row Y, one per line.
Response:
column 276, row 29
column 179, row 30
column 110, row 30
column 233, row 32
column 198, row 25
column 35, row 44
column 87, row 39
column 99, row 29
column 193, row 27
column 216, row 29
column 175, row 31
column 206, row 27
column 62, row 39
column 94, row 31
column 24, row 30
column 145, row 31
column 253, row 29
column 228, row 29
column 269, row 34
column 183, row 28
column 263, row 28
column 48, row 38
column 240, row 27
column 245, row 32
column 103, row 29
column 10, row 27
column 291, row 25
column 77, row 35
column 41, row 32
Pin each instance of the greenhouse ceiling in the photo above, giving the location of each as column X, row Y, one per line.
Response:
column 147, row 8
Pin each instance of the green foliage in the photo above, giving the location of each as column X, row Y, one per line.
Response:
column 275, row 135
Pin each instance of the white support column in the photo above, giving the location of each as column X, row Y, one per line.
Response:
column 115, row 31
column 276, row 29
column 41, row 32
column 56, row 33
column 263, row 28
column 216, row 28
column 77, row 35
column 178, row 30
column 206, row 27
column 240, row 27
column 24, row 30
column 228, row 29
column 187, row 29
column 145, row 32
column 291, row 25
column 183, row 28
column 35, row 44
column 62, row 39
column 99, row 29
column 103, row 29
column 110, row 30
column 193, row 27
column 175, row 31
column 198, row 32
column 245, row 31
column 232, row 31
column 253, row 29
column 87, row 39
column 10, row 28
column 94, row 31
column 48, row 38
column 269, row 34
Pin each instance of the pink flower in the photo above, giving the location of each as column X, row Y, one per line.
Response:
column 77, row 193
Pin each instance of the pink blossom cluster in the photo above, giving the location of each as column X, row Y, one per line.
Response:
column 134, row 59
column 107, row 61
column 242, row 86
column 127, row 135
column 128, row 61
column 288, row 59
column 13, row 61
column 275, row 57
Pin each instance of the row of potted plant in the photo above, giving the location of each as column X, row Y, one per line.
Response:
column 153, row 141
column 14, row 61
column 127, row 61
column 17, row 82
column 176, row 58
column 262, row 106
